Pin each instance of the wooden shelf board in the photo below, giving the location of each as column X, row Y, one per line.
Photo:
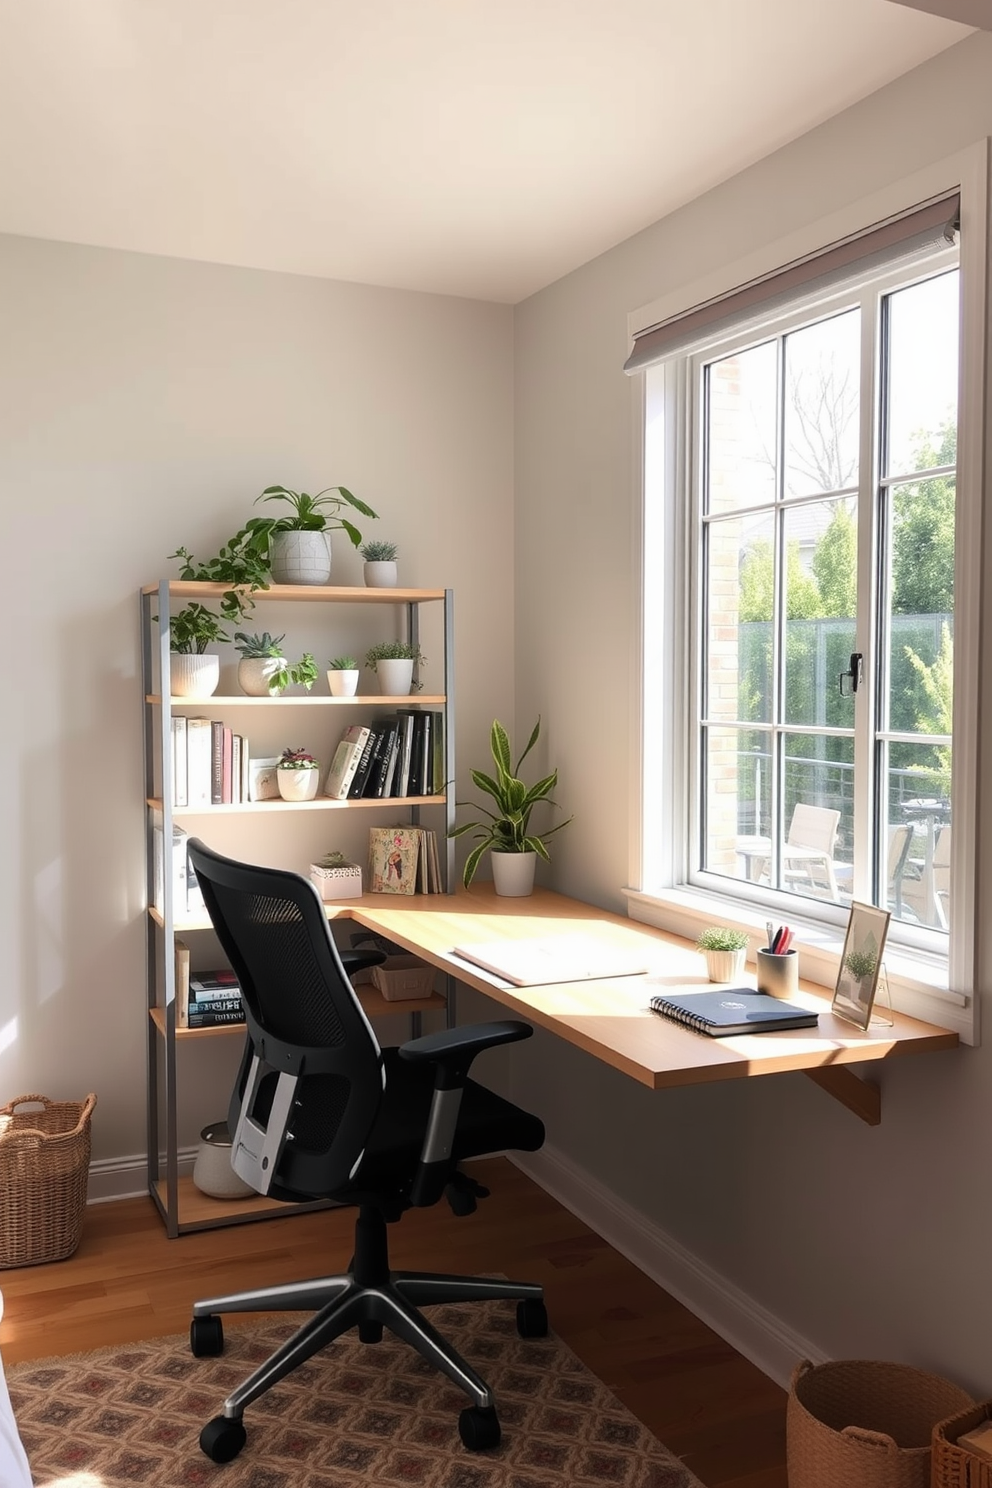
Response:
column 336, row 909
column 329, row 593
column 375, row 1005
column 359, row 699
column 321, row 803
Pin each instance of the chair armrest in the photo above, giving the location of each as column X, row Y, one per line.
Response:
column 353, row 961
column 454, row 1049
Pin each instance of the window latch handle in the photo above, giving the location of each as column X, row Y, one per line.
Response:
column 855, row 674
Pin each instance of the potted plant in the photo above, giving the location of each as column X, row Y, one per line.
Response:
column 262, row 662
column 380, row 564
column 342, row 676
column 336, row 877
column 241, row 564
column 298, row 546
column 192, row 673
column 507, row 834
column 297, row 775
column 393, row 663
column 725, row 951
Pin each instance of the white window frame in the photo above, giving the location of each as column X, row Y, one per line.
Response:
column 940, row 989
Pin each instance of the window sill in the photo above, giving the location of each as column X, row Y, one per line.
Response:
column 917, row 982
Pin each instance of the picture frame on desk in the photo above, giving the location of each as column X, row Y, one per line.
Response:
column 860, row 964
column 263, row 782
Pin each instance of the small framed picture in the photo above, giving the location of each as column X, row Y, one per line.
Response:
column 860, row 964
column 263, row 782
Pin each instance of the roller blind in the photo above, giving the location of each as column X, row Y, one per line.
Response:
column 928, row 226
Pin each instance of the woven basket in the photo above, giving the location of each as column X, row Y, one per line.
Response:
column 857, row 1423
column 44, row 1166
column 953, row 1466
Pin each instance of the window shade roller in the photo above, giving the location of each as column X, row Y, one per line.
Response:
column 931, row 225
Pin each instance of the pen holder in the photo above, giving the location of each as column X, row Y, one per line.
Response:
column 778, row 975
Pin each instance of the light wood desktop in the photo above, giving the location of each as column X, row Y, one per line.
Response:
column 611, row 1020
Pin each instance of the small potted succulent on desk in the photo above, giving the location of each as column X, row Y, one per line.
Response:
column 725, row 951
column 297, row 775
column 393, row 663
column 336, row 877
column 380, row 564
column 342, row 676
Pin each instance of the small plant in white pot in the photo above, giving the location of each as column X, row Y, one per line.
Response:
column 336, row 877
column 298, row 546
column 342, row 676
column 725, row 951
column 262, row 662
column 380, row 564
column 297, row 775
column 192, row 672
column 393, row 663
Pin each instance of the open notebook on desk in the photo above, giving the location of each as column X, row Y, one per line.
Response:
column 537, row 960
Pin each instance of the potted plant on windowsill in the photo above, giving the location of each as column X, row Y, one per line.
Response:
column 342, row 676
column 297, row 775
column 380, row 564
column 192, row 672
column 393, row 663
column 298, row 547
column 513, row 846
column 725, row 951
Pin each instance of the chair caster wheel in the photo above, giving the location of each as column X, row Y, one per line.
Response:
column 532, row 1318
column 222, row 1439
column 206, row 1337
column 479, row 1429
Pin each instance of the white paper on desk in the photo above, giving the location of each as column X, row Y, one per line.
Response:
column 553, row 958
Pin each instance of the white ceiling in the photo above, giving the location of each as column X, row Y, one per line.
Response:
column 470, row 147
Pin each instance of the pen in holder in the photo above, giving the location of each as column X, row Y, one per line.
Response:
column 778, row 975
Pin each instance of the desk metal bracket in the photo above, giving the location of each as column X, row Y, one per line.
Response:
column 863, row 1097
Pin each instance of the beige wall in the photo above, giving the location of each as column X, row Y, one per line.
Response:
column 144, row 403
column 867, row 1242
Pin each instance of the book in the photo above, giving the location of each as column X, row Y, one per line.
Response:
column 416, row 776
column 209, row 1019
column 345, row 761
column 438, row 772
column 236, row 769
column 178, row 871
column 401, row 782
column 394, row 853
column 204, row 985
column 227, row 765
column 392, row 761
column 182, row 981
column 538, row 960
column 245, row 772
column 198, row 747
column 379, row 773
column 216, row 763
column 733, row 1010
column 357, row 786
column 179, row 787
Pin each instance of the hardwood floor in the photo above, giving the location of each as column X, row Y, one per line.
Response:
column 704, row 1401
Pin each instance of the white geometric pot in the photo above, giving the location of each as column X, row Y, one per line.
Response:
column 255, row 675
column 395, row 676
column 725, row 966
column 381, row 575
column 297, row 785
column 513, row 873
column 342, row 683
column 301, row 557
column 192, row 674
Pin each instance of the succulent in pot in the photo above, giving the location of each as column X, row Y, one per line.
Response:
column 262, row 664
column 336, row 877
column 342, row 676
column 297, row 775
column 380, row 564
column 393, row 663
column 298, row 546
column 725, row 950
column 193, row 673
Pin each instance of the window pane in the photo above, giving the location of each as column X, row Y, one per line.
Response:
column 739, row 577
column 821, row 607
column 740, row 456
column 822, row 390
column 737, row 792
column 923, row 375
column 918, row 867
column 818, row 816
column 921, row 635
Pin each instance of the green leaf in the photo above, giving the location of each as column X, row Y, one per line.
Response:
column 472, row 863
column 352, row 531
column 499, row 745
column 530, row 744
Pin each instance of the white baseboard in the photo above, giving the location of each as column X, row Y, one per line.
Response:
column 764, row 1339
column 127, row 1177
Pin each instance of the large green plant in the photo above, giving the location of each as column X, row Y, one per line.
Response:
column 508, row 827
column 307, row 514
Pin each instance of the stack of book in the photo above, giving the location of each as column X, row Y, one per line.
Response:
column 187, row 900
column 399, row 755
column 403, row 860
column 205, row 999
column 209, row 763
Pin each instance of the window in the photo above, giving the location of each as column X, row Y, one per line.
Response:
column 812, row 497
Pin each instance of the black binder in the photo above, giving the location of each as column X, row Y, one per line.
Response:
column 733, row 1010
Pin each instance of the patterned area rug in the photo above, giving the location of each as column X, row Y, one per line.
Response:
column 357, row 1414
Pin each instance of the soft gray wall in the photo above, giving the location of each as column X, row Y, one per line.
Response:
column 867, row 1242
column 144, row 403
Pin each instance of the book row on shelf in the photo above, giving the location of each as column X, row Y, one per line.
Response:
column 398, row 755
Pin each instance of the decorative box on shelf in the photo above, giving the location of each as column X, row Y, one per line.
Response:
column 339, row 881
column 401, row 978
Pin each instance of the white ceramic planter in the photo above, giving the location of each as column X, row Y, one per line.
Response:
column 395, row 677
column 301, row 557
column 381, row 575
column 255, row 675
column 725, row 966
column 297, row 785
column 212, row 1171
column 193, row 675
column 342, row 683
column 337, row 883
column 513, row 873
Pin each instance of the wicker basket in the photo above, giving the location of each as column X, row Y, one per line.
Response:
column 857, row 1423
column 44, row 1166
column 953, row 1466
column 402, row 978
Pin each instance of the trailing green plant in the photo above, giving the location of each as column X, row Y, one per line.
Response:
column 508, row 827
column 342, row 664
column 297, row 759
column 393, row 651
column 241, row 564
column 193, row 628
column 258, row 647
column 307, row 514
column 722, row 938
column 379, row 552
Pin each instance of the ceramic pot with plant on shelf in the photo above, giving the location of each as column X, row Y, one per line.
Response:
column 380, row 564
column 342, row 676
column 193, row 672
column 513, row 846
column 298, row 546
column 725, row 951
column 264, row 671
column 297, row 775
column 393, row 663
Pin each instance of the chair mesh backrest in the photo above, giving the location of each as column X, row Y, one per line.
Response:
column 302, row 1010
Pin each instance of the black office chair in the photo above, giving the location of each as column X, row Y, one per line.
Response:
column 321, row 1111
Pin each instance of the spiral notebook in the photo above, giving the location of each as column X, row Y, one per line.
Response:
column 733, row 1010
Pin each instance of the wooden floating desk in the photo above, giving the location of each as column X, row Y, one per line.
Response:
column 611, row 1020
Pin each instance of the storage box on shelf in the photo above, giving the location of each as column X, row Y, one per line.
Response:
column 173, row 809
